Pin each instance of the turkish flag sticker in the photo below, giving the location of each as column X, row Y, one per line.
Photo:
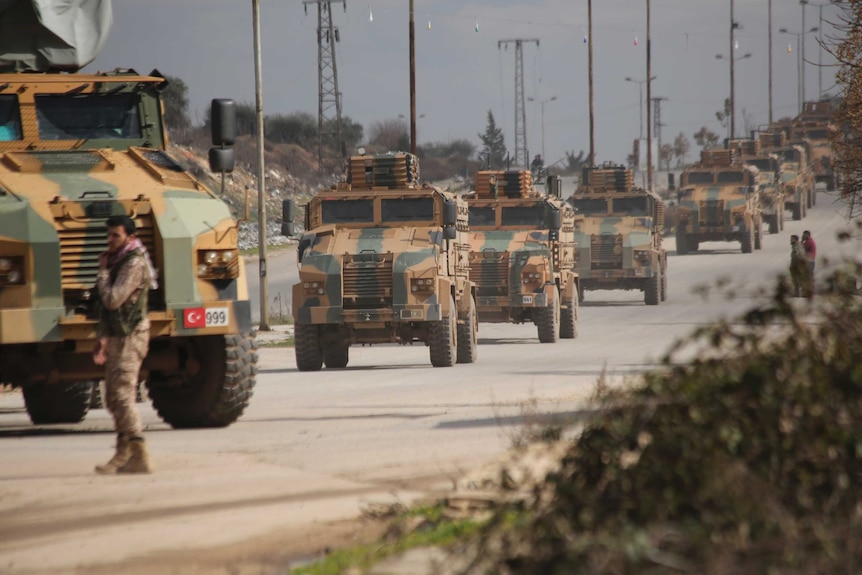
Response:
column 194, row 317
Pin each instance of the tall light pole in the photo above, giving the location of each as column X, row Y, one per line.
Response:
column 733, row 26
column 732, row 133
column 640, row 84
column 800, row 69
column 412, row 81
column 261, row 172
column 649, row 95
column 542, row 104
column 592, row 126
column 820, row 6
column 770, row 61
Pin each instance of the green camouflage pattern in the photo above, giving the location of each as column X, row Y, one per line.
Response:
column 711, row 211
column 376, row 266
column 618, row 233
column 521, row 269
column 79, row 148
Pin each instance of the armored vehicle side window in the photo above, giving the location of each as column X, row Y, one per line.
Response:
column 533, row 216
column 631, row 206
column 10, row 118
column 407, row 210
column 818, row 134
column 591, row 207
column 347, row 211
column 699, row 177
column 482, row 216
column 731, row 177
column 762, row 164
column 91, row 116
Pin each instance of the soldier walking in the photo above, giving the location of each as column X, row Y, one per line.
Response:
column 798, row 266
column 126, row 275
column 810, row 257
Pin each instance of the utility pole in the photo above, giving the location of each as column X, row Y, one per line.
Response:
column 770, row 62
column 592, row 115
column 328, row 96
column 521, row 155
column 649, row 96
column 412, row 81
column 802, row 4
column 657, row 118
column 261, row 171
column 732, row 84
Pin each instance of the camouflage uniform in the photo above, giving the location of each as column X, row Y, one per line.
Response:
column 125, row 284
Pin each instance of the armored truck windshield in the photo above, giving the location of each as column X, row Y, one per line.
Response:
column 591, row 206
column 731, row 177
column 347, row 211
column 89, row 116
column 692, row 178
column 524, row 216
column 632, row 206
column 393, row 211
column 482, row 216
column 10, row 118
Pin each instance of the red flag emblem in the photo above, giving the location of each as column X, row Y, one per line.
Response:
column 194, row 317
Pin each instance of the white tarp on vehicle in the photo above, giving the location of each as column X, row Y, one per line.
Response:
column 43, row 35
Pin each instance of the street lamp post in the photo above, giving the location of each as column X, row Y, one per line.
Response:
column 640, row 84
column 800, row 69
column 820, row 6
column 542, row 104
column 732, row 128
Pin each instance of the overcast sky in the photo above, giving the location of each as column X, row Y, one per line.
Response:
column 461, row 73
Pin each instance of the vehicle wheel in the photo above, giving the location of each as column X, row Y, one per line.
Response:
column 96, row 400
column 758, row 237
column 652, row 293
column 797, row 211
column 693, row 246
column 581, row 291
column 549, row 321
column 663, row 284
column 681, row 244
column 773, row 224
column 468, row 336
column 443, row 338
column 569, row 320
column 781, row 220
column 309, row 356
column 747, row 241
column 58, row 402
column 804, row 210
column 214, row 395
column 336, row 356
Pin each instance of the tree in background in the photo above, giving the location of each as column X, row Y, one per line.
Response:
column 493, row 144
column 681, row 147
column 574, row 164
column 665, row 155
column 723, row 116
column 176, row 98
column 705, row 138
column 847, row 138
column 389, row 135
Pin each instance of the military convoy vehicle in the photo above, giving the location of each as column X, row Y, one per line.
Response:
column 522, row 254
column 770, row 192
column 383, row 259
column 718, row 201
column 797, row 180
column 811, row 129
column 74, row 150
column 618, row 234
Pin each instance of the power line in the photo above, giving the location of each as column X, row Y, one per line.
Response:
column 521, row 155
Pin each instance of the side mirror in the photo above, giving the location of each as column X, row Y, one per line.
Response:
column 554, row 219
column 450, row 233
column 223, row 122
column 222, row 159
column 671, row 183
column 288, row 212
column 450, row 213
column 554, row 186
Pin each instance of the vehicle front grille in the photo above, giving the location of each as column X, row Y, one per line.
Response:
column 81, row 242
column 711, row 213
column 490, row 272
column 606, row 252
column 367, row 281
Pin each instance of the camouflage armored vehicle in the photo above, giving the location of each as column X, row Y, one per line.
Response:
column 522, row 254
column 383, row 259
column 797, row 180
column 618, row 234
column 718, row 201
column 812, row 129
column 769, row 175
column 76, row 149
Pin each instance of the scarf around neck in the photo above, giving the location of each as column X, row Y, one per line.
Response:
column 115, row 258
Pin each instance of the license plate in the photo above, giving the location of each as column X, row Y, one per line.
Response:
column 736, row 228
column 527, row 299
column 199, row 317
column 217, row 317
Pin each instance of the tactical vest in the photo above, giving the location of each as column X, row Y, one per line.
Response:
column 122, row 321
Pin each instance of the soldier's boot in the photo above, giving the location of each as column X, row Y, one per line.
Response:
column 120, row 458
column 139, row 462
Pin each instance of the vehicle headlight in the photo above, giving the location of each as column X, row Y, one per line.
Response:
column 211, row 257
column 425, row 285
column 11, row 270
column 218, row 264
column 532, row 277
column 5, row 264
column 314, row 287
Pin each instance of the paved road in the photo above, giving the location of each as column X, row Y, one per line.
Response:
column 313, row 448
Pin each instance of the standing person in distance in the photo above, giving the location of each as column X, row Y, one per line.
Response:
column 810, row 256
column 126, row 275
column 798, row 266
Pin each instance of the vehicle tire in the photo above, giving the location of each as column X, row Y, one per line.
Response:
column 468, row 336
column 309, row 356
column 336, row 356
column 797, row 211
column 804, row 210
column 581, row 292
column 96, row 400
column 681, row 244
column 443, row 338
column 218, row 393
column 652, row 292
column 693, row 246
column 781, row 220
column 549, row 321
column 758, row 237
column 774, row 227
column 569, row 320
column 59, row 402
column 747, row 241
column 664, row 284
